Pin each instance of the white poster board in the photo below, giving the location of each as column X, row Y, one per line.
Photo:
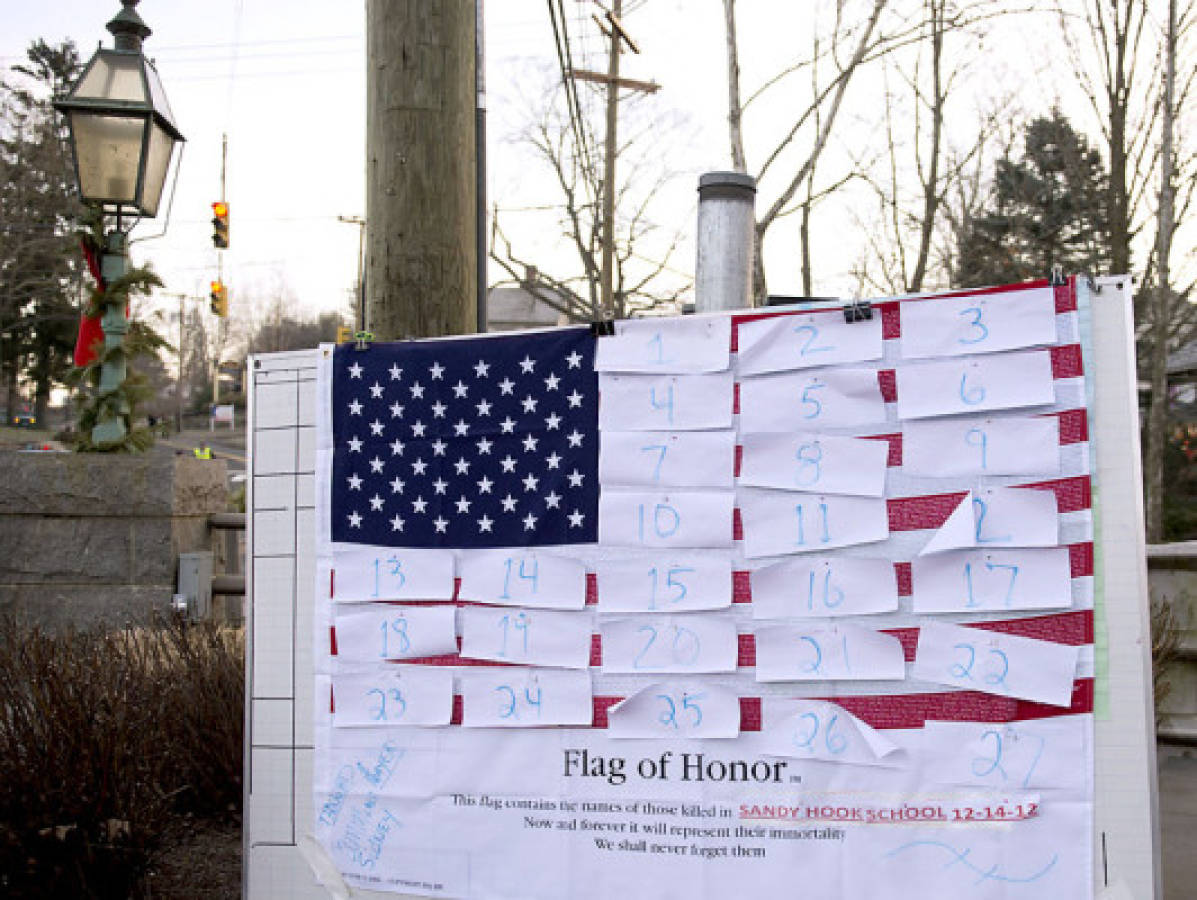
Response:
column 281, row 854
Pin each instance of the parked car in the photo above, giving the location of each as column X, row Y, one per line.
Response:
column 24, row 418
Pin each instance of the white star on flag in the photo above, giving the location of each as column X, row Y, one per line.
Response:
column 355, row 371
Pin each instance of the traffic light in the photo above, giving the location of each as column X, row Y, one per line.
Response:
column 218, row 299
column 344, row 334
column 220, row 225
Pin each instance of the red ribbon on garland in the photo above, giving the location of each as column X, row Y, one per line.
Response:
column 91, row 332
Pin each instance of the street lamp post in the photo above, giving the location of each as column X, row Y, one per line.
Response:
column 122, row 136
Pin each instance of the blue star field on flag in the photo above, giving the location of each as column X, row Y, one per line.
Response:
column 469, row 443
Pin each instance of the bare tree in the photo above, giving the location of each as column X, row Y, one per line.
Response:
column 919, row 168
column 1163, row 300
column 1138, row 73
column 850, row 43
column 643, row 279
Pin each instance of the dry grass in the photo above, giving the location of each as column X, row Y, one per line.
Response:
column 107, row 739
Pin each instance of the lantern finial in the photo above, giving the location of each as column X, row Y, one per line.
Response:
column 128, row 29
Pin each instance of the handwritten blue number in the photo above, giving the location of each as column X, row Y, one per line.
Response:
column 975, row 323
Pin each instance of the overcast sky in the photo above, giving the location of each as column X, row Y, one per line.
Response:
column 285, row 79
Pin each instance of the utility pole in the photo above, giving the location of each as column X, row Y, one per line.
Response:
column 618, row 36
column 421, row 271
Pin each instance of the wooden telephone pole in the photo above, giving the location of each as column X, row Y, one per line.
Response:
column 421, row 272
column 613, row 28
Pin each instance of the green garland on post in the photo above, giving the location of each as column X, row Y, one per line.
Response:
column 140, row 339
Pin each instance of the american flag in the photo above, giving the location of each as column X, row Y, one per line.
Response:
column 467, row 443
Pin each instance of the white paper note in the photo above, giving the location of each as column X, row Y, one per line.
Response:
column 813, row 587
column 1012, row 445
column 826, row 731
column 675, row 518
column 665, row 402
column 804, row 401
column 393, row 695
column 779, row 522
column 675, row 345
column 803, row 340
column 955, row 326
column 523, row 578
column 527, row 636
column 992, row 580
column 666, row 582
column 996, row 663
column 667, row 458
column 999, row 517
column 672, row 644
column 381, row 631
column 392, row 573
column 525, row 698
column 841, row 652
column 816, row 463
column 975, row 384
column 1007, row 756
column 676, row 709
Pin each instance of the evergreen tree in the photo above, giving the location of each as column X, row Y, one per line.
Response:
column 39, row 256
column 1046, row 209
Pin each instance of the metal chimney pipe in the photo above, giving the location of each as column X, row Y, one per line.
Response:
column 726, row 219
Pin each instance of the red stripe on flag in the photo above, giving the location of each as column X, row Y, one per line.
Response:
column 932, row 510
column 739, row 461
column 1080, row 559
column 751, row 716
column 926, row 511
column 736, row 399
column 895, row 446
column 889, row 310
column 913, row 710
column 591, row 588
column 888, row 381
column 1066, row 361
column 737, row 525
column 891, row 320
column 908, row 710
column 1073, row 629
column 741, row 587
column 1066, row 296
column 601, row 705
column 1072, row 494
column 1074, row 426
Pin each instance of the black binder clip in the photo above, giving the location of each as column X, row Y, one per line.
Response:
column 858, row 311
column 1057, row 279
column 363, row 339
column 603, row 328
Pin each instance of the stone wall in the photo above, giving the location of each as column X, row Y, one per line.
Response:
column 93, row 537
